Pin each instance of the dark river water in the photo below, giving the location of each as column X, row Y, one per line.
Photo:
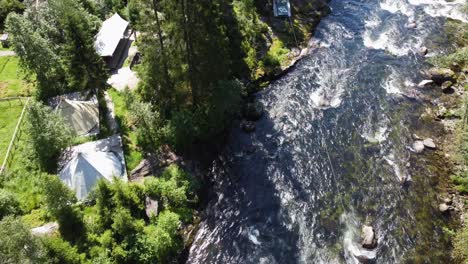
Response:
column 331, row 151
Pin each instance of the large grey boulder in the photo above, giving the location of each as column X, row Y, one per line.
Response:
column 418, row 146
column 369, row 241
column 429, row 143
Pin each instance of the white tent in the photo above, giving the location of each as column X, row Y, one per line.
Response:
column 83, row 116
column 109, row 36
column 85, row 169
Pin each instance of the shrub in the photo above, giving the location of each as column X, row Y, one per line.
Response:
column 60, row 200
column 60, row 251
column 17, row 245
column 9, row 204
column 48, row 135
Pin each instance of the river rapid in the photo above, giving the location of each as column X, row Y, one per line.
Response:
column 330, row 153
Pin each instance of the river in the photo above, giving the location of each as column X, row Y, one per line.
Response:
column 330, row 153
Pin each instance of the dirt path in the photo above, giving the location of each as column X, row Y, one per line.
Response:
column 5, row 53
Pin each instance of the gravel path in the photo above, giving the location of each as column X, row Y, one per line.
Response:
column 5, row 53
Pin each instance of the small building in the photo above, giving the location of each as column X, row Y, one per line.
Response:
column 84, row 165
column 112, row 41
column 4, row 40
column 281, row 8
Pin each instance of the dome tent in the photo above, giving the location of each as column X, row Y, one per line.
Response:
column 81, row 166
column 83, row 116
column 84, row 170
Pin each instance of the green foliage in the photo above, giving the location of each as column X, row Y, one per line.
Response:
column 160, row 243
column 17, row 245
column 9, row 204
column 276, row 55
column 55, row 43
column 122, row 102
column 149, row 127
column 460, row 248
column 48, row 135
column 59, row 251
column 60, row 200
column 12, row 80
column 7, row 6
column 172, row 188
column 36, row 56
column 459, row 57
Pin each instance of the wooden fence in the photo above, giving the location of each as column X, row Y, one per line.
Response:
column 16, row 133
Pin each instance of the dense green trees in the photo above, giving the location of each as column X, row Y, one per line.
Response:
column 55, row 43
column 47, row 134
column 7, row 6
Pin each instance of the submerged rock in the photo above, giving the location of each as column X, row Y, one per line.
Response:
column 247, row 126
column 418, row 146
column 441, row 75
column 429, row 143
column 253, row 111
column 369, row 241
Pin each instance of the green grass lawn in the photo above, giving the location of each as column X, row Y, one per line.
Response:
column 11, row 78
column 133, row 155
column 9, row 114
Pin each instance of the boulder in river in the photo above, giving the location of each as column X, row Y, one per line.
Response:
column 444, row 208
column 418, row 146
column 424, row 83
column 369, row 241
column 441, row 75
column 423, row 51
column 429, row 143
column 247, row 126
column 253, row 111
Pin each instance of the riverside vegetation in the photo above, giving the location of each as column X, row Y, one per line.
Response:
column 200, row 59
column 457, row 62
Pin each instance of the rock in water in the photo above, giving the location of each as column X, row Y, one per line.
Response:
column 447, row 87
column 443, row 208
column 247, row 126
column 425, row 83
column 253, row 111
column 423, row 51
column 418, row 146
column 429, row 143
column 369, row 240
column 441, row 75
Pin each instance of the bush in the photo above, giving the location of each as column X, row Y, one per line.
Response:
column 60, row 200
column 60, row 251
column 9, row 204
column 17, row 245
column 48, row 135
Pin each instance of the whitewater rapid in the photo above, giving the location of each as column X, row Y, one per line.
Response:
column 330, row 153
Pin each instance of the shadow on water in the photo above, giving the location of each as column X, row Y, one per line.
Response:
column 247, row 215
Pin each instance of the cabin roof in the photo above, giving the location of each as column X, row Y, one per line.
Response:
column 108, row 38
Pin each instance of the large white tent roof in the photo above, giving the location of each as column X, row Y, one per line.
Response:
column 109, row 36
column 84, row 165
column 82, row 116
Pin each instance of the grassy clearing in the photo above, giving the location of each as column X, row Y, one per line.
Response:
column 132, row 153
column 9, row 113
column 11, row 78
